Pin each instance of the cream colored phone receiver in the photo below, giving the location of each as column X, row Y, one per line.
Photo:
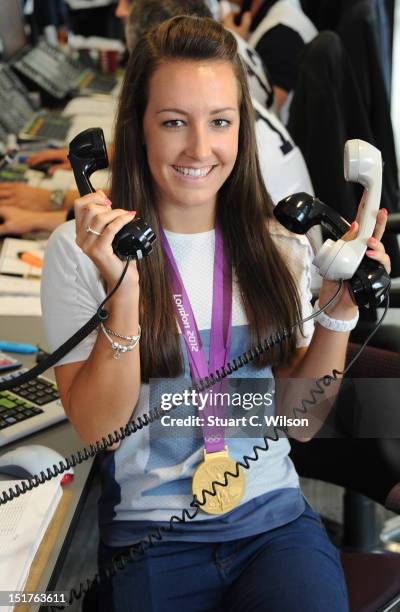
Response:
column 362, row 164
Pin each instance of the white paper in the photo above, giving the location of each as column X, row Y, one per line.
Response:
column 83, row 122
column 13, row 286
column 95, row 42
column 10, row 262
column 23, row 523
column 94, row 106
column 20, row 306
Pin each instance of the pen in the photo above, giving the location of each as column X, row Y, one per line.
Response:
column 17, row 275
column 31, row 259
column 17, row 347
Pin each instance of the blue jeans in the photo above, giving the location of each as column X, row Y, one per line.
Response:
column 293, row 567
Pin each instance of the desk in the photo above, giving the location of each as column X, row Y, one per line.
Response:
column 61, row 437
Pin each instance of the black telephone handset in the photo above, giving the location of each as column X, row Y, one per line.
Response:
column 338, row 259
column 246, row 6
column 88, row 153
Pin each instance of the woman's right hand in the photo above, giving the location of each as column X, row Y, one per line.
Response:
column 94, row 211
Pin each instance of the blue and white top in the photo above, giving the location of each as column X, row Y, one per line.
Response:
column 148, row 478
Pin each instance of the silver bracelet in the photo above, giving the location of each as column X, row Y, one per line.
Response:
column 334, row 324
column 116, row 346
column 117, row 335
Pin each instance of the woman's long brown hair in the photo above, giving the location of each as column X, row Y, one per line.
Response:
column 244, row 207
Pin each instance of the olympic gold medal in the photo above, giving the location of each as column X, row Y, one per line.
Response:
column 212, row 469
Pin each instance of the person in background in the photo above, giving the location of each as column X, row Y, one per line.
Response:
column 15, row 221
column 93, row 18
column 122, row 10
column 46, row 18
column 144, row 15
column 278, row 31
column 281, row 161
column 24, row 208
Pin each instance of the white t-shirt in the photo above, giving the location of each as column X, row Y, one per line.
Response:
column 71, row 287
column 257, row 78
column 283, row 169
column 288, row 13
column 279, row 38
column 149, row 475
column 282, row 163
column 213, row 5
column 87, row 4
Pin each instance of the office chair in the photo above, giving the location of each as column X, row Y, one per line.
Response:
column 369, row 469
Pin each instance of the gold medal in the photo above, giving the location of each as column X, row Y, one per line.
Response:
column 212, row 469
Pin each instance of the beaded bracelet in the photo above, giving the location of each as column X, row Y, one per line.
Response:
column 116, row 346
column 334, row 324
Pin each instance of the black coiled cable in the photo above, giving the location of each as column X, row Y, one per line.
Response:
column 154, row 537
column 155, row 414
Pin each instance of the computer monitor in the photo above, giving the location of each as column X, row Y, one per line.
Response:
column 12, row 32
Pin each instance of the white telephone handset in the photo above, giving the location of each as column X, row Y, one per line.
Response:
column 338, row 260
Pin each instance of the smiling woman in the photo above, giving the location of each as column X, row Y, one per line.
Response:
column 222, row 275
column 185, row 107
column 191, row 129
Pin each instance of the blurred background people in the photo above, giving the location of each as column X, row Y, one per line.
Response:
column 278, row 31
column 94, row 18
column 282, row 163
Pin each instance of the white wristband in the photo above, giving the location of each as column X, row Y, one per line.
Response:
column 334, row 324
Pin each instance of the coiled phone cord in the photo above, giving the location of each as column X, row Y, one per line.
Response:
column 156, row 413
column 151, row 539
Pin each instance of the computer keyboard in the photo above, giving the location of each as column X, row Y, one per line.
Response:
column 14, row 408
column 96, row 83
column 13, row 173
column 48, row 127
column 27, row 408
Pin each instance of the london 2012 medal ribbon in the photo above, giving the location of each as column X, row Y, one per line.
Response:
column 216, row 455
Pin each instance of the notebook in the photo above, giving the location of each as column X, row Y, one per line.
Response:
column 23, row 523
column 19, row 279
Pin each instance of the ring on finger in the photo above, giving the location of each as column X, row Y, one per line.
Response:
column 89, row 230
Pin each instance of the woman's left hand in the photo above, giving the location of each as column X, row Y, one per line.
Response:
column 344, row 308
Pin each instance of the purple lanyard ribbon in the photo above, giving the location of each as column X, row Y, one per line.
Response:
column 220, row 334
